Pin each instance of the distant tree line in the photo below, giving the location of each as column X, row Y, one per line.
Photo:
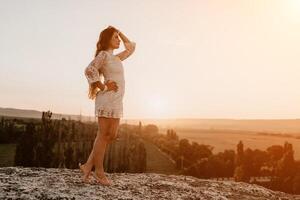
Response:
column 10, row 130
column 276, row 165
column 54, row 143
column 65, row 143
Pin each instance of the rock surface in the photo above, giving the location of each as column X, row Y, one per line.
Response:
column 55, row 183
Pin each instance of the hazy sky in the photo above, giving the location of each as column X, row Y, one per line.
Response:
column 193, row 59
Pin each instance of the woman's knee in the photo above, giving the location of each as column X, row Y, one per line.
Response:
column 103, row 128
column 109, row 128
column 105, row 135
column 113, row 136
column 114, row 128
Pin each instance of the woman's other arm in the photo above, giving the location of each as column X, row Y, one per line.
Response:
column 93, row 77
column 92, row 73
column 129, row 47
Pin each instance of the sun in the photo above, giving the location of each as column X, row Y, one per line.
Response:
column 292, row 10
column 156, row 106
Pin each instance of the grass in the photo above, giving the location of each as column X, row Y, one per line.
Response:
column 157, row 161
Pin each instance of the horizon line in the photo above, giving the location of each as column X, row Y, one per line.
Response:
column 163, row 118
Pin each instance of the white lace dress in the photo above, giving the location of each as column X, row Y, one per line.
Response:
column 109, row 103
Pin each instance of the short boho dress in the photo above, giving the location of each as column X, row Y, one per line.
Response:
column 109, row 103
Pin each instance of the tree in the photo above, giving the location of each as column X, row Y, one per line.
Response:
column 286, row 166
column 25, row 148
column 240, row 154
column 185, row 151
column 140, row 128
column 227, row 157
column 260, row 159
column 200, row 151
column 240, row 172
column 171, row 135
column 275, row 152
column 151, row 128
column 296, row 184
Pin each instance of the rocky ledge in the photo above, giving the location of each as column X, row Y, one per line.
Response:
column 53, row 183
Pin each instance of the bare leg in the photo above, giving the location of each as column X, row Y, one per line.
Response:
column 100, row 144
column 87, row 167
column 113, row 129
column 99, row 151
column 97, row 154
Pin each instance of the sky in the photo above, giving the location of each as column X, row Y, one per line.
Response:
column 193, row 59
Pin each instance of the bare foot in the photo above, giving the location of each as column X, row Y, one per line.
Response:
column 101, row 178
column 86, row 172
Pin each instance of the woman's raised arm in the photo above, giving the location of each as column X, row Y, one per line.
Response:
column 129, row 47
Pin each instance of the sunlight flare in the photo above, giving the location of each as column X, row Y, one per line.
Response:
column 156, row 106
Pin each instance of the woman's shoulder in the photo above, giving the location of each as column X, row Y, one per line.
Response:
column 102, row 55
column 106, row 54
column 100, row 59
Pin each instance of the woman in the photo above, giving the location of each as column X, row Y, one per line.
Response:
column 108, row 96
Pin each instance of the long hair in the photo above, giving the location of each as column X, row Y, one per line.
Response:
column 102, row 44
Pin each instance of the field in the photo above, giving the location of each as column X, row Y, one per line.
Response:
column 226, row 139
column 7, row 154
column 157, row 161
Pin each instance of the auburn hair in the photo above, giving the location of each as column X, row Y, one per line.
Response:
column 102, row 44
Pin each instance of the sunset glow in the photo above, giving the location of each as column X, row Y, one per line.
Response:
column 156, row 106
column 293, row 10
column 204, row 59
